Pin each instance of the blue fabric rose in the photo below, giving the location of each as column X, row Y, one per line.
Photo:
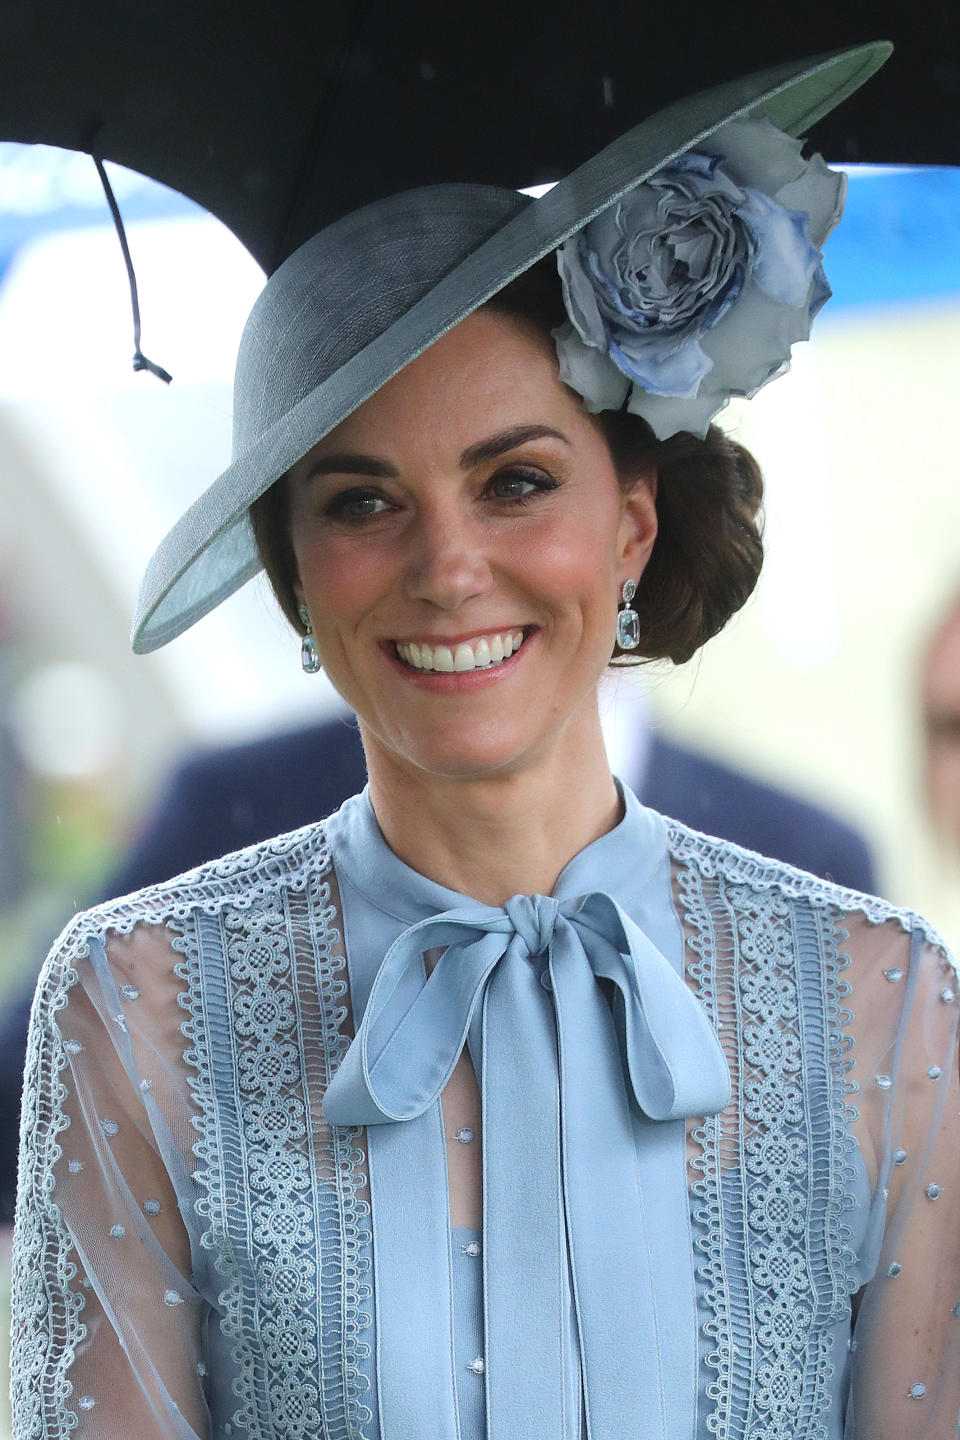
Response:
column 694, row 285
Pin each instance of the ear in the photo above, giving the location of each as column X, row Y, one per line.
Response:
column 638, row 525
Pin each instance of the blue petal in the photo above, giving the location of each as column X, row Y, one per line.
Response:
column 694, row 162
column 785, row 258
column 579, row 295
column 662, row 370
column 820, row 292
column 720, row 303
column 589, row 372
column 667, row 416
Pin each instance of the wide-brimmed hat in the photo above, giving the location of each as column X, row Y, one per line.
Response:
column 370, row 293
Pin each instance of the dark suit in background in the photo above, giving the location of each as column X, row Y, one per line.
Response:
column 223, row 800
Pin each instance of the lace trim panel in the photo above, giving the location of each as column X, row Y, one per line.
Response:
column 776, row 1263
column 721, row 858
column 304, row 1228
column 289, row 1231
column 47, row 1323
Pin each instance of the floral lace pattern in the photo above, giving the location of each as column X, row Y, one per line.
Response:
column 719, row 858
column 775, row 1169
column 44, row 1265
column 266, row 1003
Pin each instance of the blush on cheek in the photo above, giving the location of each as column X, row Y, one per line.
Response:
column 570, row 560
column 340, row 578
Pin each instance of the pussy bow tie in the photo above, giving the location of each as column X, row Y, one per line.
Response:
column 583, row 1033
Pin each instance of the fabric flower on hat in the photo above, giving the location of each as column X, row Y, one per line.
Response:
column 694, row 285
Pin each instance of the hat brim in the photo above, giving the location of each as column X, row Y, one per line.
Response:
column 210, row 552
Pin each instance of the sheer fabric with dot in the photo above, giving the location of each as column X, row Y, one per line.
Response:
column 193, row 1245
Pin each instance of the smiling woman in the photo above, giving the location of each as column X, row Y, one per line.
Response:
column 496, row 1105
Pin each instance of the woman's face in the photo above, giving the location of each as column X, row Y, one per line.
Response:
column 468, row 511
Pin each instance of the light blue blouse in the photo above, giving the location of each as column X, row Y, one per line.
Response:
column 583, row 1179
column 720, row 1102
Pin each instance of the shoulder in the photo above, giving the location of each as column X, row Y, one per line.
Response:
column 708, row 857
column 239, row 880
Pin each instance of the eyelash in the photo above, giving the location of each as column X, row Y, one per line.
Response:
column 339, row 506
column 542, row 483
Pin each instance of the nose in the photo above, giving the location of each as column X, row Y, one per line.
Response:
column 448, row 560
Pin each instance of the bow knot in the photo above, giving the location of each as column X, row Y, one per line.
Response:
column 534, row 918
column 415, row 1027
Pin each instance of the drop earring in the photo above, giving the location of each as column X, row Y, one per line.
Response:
column 309, row 654
column 628, row 621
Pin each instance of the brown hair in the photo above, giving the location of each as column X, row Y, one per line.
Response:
column 707, row 556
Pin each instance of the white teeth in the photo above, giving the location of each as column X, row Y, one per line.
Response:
column 468, row 655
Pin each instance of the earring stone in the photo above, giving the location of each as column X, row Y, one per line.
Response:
column 309, row 654
column 628, row 621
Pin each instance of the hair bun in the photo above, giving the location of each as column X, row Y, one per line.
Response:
column 708, row 553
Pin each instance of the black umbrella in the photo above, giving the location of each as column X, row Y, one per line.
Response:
column 278, row 116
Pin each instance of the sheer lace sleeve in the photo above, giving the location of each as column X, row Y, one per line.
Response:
column 905, row 1357
column 107, row 1326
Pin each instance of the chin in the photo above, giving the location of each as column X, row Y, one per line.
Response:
column 455, row 756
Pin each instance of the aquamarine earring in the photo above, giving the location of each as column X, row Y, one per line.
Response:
column 309, row 654
column 628, row 621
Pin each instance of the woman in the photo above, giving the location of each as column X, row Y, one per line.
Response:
column 498, row 1104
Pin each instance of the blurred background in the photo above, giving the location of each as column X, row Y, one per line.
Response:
column 822, row 686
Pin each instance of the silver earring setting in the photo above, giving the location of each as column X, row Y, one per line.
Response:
column 628, row 621
column 309, row 654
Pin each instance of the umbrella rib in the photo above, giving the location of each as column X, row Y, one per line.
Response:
column 140, row 361
column 352, row 31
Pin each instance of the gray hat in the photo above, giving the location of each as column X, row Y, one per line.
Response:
column 370, row 293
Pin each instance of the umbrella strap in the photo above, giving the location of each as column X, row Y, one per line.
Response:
column 140, row 361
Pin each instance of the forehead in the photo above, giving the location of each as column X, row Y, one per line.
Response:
column 487, row 373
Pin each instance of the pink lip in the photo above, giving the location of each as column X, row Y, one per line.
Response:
column 453, row 684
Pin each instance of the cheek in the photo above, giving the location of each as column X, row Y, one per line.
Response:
column 577, row 561
column 341, row 578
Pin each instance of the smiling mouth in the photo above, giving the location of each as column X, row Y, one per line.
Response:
column 484, row 653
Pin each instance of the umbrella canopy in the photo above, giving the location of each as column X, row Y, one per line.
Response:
column 278, row 116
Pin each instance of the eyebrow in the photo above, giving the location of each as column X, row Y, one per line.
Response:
column 507, row 440
column 352, row 463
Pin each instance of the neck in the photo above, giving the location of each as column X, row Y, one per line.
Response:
column 496, row 836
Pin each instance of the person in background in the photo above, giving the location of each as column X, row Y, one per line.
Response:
column 940, row 691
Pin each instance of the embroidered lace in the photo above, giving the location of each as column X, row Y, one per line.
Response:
column 192, row 1247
